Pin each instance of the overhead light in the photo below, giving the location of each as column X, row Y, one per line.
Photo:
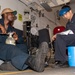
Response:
column 46, row 6
column 54, row 2
column 35, row 6
column 63, row 0
column 44, row 1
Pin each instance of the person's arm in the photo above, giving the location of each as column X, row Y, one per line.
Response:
column 54, row 37
column 2, row 29
column 3, row 35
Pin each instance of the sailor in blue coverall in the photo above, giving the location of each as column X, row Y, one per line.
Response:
column 18, row 55
column 62, row 41
column 10, row 52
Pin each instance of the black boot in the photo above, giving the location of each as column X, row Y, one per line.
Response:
column 60, row 64
column 37, row 62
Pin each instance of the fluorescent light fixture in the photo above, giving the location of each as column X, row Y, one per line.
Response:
column 44, row 1
column 63, row 0
column 35, row 6
column 54, row 2
column 46, row 6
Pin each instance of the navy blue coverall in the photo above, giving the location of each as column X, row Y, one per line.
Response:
column 62, row 41
column 18, row 54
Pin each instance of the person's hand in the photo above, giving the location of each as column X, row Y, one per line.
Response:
column 2, row 29
column 53, row 38
column 15, row 36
